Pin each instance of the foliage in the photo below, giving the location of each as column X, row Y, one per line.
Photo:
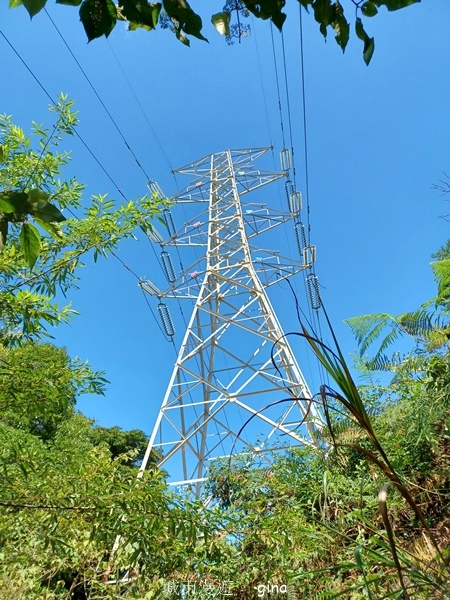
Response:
column 129, row 445
column 55, row 465
column 35, row 267
column 428, row 328
column 39, row 384
column 444, row 251
column 99, row 17
column 441, row 271
column 61, row 508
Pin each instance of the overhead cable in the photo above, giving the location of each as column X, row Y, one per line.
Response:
column 305, row 136
column 53, row 102
column 278, row 86
column 288, row 106
column 113, row 121
column 143, row 112
column 262, row 87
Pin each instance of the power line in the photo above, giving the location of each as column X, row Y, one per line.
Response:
column 83, row 250
column 136, row 276
column 288, row 106
column 124, row 140
column 53, row 103
column 143, row 111
column 262, row 83
column 97, row 95
column 278, row 86
column 41, row 154
column 314, row 316
column 305, row 137
column 154, row 316
column 316, row 313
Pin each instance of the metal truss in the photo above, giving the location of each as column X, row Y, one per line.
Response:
column 235, row 364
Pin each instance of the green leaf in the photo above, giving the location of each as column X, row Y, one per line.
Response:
column 48, row 212
column 324, row 12
column 369, row 48
column 52, row 228
column 140, row 13
column 369, row 43
column 3, row 233
column 182, row 38
column 342, row 29
column 1, row 154
column 99, row 17
column 267, row 9
column 19, row 201
column 14, row 3
column 187, row 19
column 221, row 22
column 193, row 26
column 395, row 4
column 34, row 6
column 69, row 2
column 30, row 242
column 369, row 9
column 341, row 26
column 5, row 205
column 36, row 196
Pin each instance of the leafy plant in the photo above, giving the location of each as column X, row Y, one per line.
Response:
column 42, row 250
column 99, row 17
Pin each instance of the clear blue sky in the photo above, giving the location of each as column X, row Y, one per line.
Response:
column 378, row 138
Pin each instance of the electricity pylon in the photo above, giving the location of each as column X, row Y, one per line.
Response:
column 234, row 358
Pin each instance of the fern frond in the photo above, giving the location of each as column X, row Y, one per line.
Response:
column 388, row 340
column 428, row 327
column 367, row 328
column 380, row 362
column 441, row 270
column 410, row 364
column 417, row 324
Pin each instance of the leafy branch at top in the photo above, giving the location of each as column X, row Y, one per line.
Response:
column 99, row 17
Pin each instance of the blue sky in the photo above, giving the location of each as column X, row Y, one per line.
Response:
column 378, row 138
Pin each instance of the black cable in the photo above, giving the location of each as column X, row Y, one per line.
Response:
column 139, row 279
column 304, row 123
column 262, row 84
column 97, row 95
column 143, row 113
column 125, row 265
column 314, row 316
column 156, row 257
column 53, row 102
column 288, row 106
column 314, row 313
column 278, row 86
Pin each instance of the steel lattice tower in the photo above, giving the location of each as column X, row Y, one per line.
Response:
column 234, row 358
